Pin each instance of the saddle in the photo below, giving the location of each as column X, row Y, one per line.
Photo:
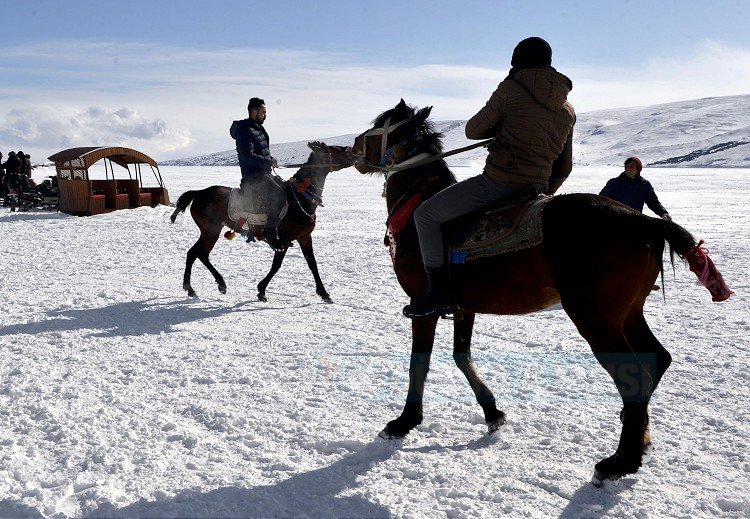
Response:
column 237, row 210
column 506, row 226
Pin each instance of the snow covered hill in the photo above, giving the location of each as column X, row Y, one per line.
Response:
column 711, row 132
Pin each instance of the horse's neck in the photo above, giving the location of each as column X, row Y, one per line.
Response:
column 316, row 175
column 403, row 185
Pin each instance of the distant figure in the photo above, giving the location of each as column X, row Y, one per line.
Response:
column 12, row 168
column 532, row 124
column 25, row 167
column 2, row 177
column 631, row 189
column 261, row 191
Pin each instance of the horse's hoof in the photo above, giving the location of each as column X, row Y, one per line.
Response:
column 390, row 434
column 599, row 478
column 494, row 426
column 326, row 299
column 399, row 427
column 223, row 289
column 614, row 467
column 262, row 297
column 191, row 293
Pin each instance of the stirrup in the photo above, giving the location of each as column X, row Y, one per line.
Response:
column 441, row 311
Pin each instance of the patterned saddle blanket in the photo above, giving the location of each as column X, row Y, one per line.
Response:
column 237, row 211
column 499, row 229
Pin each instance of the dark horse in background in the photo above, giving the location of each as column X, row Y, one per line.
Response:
column 304, row 193
column 598, row 259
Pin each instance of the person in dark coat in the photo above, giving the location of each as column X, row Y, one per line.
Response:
column 2, row 176
column 631, row 189
column 12, row 168
column 531, row 121
column 262, row 192
column 25, row 167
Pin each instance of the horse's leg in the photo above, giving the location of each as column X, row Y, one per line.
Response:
column 305, row 244
column 278, row 259
column 192, row 255
column 602, row 327
column 423, row 337
column 641, row 339
column 209, row 239
column 462, row 330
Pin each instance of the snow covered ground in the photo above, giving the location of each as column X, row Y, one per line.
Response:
column 122, row 397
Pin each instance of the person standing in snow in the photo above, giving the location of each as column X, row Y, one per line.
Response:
column 631, row 189
column 2, row 177
column 12, row 168
column 25, row 168
column 532, row 124
column 261, row 191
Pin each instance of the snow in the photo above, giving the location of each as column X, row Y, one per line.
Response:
column 122, row 397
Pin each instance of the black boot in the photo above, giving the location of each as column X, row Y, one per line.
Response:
column 436, row 301
column 271, row 236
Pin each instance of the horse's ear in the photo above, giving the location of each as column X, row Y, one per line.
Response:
column 424, row 113
column 314, row 145
column 403, row 109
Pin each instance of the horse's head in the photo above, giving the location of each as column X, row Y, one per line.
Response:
column 396, row 134
column 332, row 158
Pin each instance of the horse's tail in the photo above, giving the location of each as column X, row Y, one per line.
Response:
column 684, row 244
column 679, row 239
column 183, row 202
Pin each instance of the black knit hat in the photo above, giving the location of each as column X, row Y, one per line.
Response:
column 531, row 52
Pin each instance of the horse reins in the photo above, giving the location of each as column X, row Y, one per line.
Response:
column 412, row 162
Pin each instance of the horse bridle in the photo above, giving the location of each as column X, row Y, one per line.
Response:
column 384, row 131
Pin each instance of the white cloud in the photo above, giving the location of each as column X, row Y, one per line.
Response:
column 714, row 69
column 46, row 129
column 187, row 98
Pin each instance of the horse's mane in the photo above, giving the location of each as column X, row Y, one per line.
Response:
column 429, row 140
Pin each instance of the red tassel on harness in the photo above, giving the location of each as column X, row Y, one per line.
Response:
column 707, row 273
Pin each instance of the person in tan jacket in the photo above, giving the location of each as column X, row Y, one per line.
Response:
column 532, row 124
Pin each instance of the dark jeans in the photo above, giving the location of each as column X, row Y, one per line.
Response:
column 264, row 194
column 461, row 198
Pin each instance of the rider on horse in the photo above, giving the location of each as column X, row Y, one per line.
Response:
column 261, row 191
column 532, row 123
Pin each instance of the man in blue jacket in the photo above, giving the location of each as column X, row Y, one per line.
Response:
column 631, row 189
column 262, row 192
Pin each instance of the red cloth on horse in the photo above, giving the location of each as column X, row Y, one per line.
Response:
column 398, row 220
column 708, row 275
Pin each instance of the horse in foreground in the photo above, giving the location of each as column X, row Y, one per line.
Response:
column 598, row 258
column 210, row 210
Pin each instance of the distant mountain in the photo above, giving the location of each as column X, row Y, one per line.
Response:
column 710, row 132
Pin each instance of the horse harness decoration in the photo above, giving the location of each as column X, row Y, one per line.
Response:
column 305, row 188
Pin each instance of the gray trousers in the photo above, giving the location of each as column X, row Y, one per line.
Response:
column 461, row 198
column 264, row 194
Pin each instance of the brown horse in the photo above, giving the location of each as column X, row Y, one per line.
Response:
column 304, row 191
column 599, row 259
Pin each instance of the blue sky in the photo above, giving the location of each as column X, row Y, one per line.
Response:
column 168, row 77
